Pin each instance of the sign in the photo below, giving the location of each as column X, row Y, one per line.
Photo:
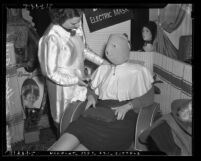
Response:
column 101, row 18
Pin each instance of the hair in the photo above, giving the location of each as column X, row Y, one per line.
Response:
column 151, row 25
column 59, row 16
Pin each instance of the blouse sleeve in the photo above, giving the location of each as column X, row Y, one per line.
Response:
column 91, row 56
column 52, row 52
column 143, row 101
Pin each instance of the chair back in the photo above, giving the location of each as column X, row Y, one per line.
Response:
column 145, row 119
column 71, row 114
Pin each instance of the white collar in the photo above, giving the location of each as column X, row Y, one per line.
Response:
column 61, row 31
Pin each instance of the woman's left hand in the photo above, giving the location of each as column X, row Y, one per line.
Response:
column 105, row 62
column 121, row 111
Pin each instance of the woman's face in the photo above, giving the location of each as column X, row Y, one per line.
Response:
column 146, row 34
column 72, row 23
column 29, row 100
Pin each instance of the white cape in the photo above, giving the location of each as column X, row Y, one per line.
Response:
column 122, row 82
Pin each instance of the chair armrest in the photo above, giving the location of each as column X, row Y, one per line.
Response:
column 72, row 112
column 145, row 119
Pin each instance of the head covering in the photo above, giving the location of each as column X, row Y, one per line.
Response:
column 117, row 49
column 177, row 105
column 152, row 27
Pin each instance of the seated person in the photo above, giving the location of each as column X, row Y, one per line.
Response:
column 172, row 133
column 120, row 87
column 149, row 31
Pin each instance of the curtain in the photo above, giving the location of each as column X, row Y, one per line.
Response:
column 163, row 45
column 169, row 19
column 172, row 16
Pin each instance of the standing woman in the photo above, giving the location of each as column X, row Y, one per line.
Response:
column 148, row 34
column 61, row 55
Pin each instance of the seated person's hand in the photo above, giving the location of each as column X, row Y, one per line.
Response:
column 91, row 102
column 121, row 111
column 148, row 48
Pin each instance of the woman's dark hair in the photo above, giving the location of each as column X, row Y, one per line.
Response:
column 59, row 16
column 151, row 25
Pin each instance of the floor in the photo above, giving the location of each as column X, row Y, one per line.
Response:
column 47, row 138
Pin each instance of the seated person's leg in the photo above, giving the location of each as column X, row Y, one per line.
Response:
column 67, row 142
column 56, row 127
column 81, row 147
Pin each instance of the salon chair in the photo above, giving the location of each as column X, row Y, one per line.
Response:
column 146, row 117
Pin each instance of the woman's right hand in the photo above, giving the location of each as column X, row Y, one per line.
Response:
column 105, row 62
column 82, row 83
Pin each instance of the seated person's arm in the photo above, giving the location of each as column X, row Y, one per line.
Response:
column 143, row 101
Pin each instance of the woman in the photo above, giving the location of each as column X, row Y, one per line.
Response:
column 61, row 60
column 148, row 34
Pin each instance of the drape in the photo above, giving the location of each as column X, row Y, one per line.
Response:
column 172, row 16
column 163, row 45
column 170, row 19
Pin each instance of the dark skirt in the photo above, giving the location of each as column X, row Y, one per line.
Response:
column 99, row 135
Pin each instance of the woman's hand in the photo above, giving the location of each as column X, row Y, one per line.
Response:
column 105, row 62
column 91, row 102
column 82, row 83
column 122, row 110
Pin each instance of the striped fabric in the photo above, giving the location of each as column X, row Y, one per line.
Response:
column 15, row 117
column 14, row 110
column 8, row 139
column 177, row 78
column 187, row 82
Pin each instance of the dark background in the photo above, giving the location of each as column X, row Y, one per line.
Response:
column 141, row 16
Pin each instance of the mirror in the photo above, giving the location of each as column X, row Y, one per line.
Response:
column 29, row 95
column 32, row 99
